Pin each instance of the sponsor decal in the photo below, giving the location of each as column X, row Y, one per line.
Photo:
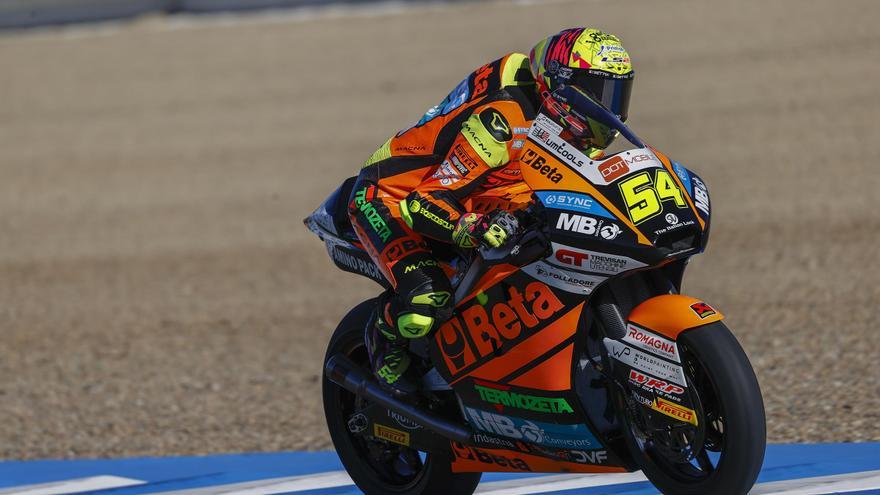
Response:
column 409, row 149
column 674, row 227
column 373, row 218
column 682, row 174
column 520, row 130
column 501, row 395
column 619, row 165
column 573, row 201
column 497, row 125
column 546, row 138
column 474, row 454
column 403, row 421
column 391, row 434
column 464, row 158
column 419, row 265
column 547, row 434
column 676, row 411
column 613, row 168
column 671, row 219
column 453, row 100
column 354, row 263
column 447, row 174
column 652, row 384
column 476, row 332
column 591, row 226
column 702, row 310
column 591, row 457
column 460, row 167
column 645, row 362
column 416, row 207
column 593, row 261
column 651, row 342
column 481, row 80
column 400, row 248
column 495, row 442
column 578, row 283
column 640, row 399
column 539, row 163
column 701, row 195
column 517, row 144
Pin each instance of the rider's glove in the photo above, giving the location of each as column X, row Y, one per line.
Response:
column 491, row 230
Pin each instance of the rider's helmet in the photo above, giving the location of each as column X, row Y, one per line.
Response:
column 596, row 65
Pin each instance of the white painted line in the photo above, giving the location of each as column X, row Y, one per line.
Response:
column 73, row 486
column 839, row 483
column 555, row 483
column 330, row 479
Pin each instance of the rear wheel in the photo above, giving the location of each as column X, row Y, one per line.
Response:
column 379, row 467
column 723, row 453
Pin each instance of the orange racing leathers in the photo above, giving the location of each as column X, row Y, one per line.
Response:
column 455, row 160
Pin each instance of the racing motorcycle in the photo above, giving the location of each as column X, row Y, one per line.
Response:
column 571, row 349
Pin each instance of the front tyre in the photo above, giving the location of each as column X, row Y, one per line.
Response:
column 725, row 455
column 378, row 467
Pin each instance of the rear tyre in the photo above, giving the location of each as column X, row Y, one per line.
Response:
column 378, row 467
column 727, row 451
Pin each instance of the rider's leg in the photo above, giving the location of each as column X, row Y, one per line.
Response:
column 422, row 295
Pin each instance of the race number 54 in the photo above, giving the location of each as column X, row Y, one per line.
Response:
column 644, row 195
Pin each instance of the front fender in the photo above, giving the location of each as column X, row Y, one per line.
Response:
column 671, row 314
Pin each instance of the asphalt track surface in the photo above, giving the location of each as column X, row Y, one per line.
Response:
column 788, row 469
column 159, row 295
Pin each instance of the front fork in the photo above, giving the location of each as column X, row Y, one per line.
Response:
column 647, row 366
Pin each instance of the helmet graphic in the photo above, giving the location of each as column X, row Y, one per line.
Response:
column 596, row 65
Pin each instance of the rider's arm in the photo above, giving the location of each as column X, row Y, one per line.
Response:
column 484, row 143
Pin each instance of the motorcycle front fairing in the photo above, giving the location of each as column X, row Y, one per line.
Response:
column 513, row 351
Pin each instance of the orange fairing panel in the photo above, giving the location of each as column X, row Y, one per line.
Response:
column 671, row 314
column 554, row 373
column 476, row 460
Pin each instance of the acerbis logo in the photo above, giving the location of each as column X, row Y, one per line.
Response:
column 478, row 331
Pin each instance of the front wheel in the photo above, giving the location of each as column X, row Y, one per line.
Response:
column 723, row 454
column 376, row 466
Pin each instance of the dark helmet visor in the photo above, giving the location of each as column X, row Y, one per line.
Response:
column 610, row 90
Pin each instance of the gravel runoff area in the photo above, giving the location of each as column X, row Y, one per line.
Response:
column 159, row 294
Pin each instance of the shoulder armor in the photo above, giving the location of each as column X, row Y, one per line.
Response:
column 515, row 71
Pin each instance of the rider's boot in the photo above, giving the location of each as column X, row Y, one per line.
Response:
column 390, row 357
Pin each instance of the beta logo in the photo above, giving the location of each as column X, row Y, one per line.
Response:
column 539, row 163
column 477, row 332
column 473, row 454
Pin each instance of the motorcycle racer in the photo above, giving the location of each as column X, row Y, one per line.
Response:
column 414, row 187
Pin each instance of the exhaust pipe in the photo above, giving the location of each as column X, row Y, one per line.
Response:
column 343, row 372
